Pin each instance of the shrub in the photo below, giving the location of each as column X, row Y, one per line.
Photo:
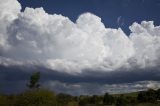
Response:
column 38, row 97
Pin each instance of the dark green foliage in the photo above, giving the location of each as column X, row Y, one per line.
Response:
column 158, row 94
column 37, row 98
column 84, row 100
column 147, row 96
column 121, row 101
column 34, row 81
column 64, row 99
column 96, row 100
column 108, row 99
column 131, row 100
column 3, row 100
column 43, row 97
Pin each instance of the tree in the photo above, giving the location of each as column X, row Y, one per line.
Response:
column 34, row 81
column 158, row 94
column 84, row 100
column 108, row 99
column 64, row 99
column 121, row 101
column 147, row 96
column 95, row 99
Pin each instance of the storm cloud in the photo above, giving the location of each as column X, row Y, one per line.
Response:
column 85, row 51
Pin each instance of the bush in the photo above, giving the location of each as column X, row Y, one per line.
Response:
column 108, row 99
column 3, row 100
column 38, row 97
column 147, row 96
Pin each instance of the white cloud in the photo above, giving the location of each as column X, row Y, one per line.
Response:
column 146, row 41
column 8, row 12
column 36, row 37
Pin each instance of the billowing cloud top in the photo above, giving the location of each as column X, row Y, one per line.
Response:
column 34, row 37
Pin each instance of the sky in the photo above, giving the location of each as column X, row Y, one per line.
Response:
column 81, row 47
column 114, row 14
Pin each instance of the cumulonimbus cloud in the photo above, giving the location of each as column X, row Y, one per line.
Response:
column 34, row 37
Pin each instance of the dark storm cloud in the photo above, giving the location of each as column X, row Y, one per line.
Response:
column 115, row 77
column 17, row 78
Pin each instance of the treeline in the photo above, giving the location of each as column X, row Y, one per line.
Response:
column 42, row 97
column 143, row 98
column 36, row 96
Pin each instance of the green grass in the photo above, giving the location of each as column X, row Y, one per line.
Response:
column 147, row 104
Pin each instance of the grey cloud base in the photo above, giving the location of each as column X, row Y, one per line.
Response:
column 82, row 52
column 14, row 79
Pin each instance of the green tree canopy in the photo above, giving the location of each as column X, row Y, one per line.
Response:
column 34, row 81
